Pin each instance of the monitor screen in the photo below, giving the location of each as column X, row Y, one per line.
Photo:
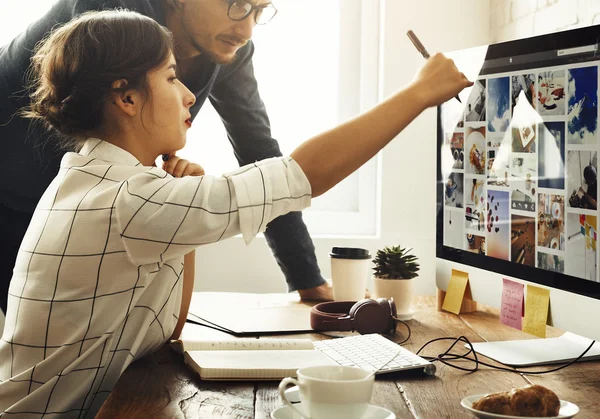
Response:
column 518, row 161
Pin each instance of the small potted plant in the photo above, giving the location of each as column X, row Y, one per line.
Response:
column 394, row 273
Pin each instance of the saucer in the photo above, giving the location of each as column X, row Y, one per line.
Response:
column 373, row 412
column 567, row 410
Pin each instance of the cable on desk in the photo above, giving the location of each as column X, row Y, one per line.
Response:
column 407, row 328
column 449, row 356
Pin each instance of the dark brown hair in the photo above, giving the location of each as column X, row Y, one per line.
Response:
column 73, row 68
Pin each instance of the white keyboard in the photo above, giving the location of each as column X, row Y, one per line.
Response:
column 371, row 352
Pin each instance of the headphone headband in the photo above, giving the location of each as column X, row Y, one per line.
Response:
column 364, row 316
column 332, row 316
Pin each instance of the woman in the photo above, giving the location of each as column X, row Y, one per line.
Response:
column 98, row 278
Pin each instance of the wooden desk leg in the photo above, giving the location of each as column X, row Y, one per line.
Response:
column 468, row 305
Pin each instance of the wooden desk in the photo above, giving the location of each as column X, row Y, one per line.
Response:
column 160, row 385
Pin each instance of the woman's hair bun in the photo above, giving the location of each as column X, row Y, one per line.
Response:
column 74, row 67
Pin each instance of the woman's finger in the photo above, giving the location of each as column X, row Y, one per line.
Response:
column 170, row 164
column 190, row 169
column 180, row 167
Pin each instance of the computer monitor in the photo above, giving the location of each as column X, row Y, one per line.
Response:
column 517, row 170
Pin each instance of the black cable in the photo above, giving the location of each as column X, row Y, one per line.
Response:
column 407, row 327
column 447, row 355
column 332, row 336
column 208, row 325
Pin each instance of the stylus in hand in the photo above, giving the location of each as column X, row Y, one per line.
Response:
column 419, row 46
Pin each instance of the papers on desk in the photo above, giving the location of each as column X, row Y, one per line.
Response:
column 531, row 352
column 247, row 358
column 244, row 314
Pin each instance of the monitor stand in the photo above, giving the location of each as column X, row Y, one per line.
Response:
column 530, row 352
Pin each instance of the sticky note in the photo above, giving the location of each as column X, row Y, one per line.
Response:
column 456, row 291
column 511, row 308
column 536, row 311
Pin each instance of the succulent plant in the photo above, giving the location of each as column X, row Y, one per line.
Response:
column 395, row 262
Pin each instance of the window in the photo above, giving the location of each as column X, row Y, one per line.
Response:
column 16, row 16
column 308, row 90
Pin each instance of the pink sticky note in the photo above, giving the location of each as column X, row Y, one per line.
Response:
column 511, row 309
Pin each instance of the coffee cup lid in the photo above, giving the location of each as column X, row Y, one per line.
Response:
column 349, row 253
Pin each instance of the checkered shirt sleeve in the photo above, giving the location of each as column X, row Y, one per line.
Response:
column 98, row 277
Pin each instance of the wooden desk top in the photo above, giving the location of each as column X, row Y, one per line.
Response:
column 160, row 385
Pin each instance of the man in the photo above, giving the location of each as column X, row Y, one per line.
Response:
column 214, row 56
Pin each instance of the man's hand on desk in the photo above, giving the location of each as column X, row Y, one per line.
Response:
column 321, row 293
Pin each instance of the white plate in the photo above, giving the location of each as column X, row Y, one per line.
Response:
column 567, row 410
column 373, row 412
column 556, row 210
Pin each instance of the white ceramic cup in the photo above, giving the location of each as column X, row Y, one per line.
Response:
column 331, row 392
column 349, row 273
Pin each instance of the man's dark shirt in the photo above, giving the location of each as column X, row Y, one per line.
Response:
column 30, row 159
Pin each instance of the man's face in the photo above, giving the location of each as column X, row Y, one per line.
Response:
column 207, row 29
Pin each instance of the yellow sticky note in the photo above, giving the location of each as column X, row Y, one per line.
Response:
column 593, row 221
column 456, row 291
column 536, row 311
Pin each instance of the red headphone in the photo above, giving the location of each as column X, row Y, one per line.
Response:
column 364, row 316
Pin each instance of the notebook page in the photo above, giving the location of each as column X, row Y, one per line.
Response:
column 253, row 364
column 247, row 344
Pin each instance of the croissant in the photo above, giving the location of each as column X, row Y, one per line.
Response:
column 532, row 401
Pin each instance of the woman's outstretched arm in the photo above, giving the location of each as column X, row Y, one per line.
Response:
column 328, row 158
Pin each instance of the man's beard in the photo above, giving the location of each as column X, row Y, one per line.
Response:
column 214, row 57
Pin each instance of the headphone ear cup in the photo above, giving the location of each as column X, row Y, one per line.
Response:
column 393, row 308
column 356, row 307
column 385, row 304
column 389, row 307
column 368, row 316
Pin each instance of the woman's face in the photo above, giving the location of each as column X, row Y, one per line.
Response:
column 166, row 114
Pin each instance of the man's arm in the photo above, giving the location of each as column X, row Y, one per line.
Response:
column 235, row 97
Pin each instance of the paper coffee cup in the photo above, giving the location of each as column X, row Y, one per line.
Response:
column 349, row 273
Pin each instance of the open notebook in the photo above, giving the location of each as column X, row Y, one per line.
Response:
column 249, row 359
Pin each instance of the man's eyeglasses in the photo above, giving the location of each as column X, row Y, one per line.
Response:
column 241, row 9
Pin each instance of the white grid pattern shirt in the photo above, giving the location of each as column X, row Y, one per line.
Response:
column 98, row 278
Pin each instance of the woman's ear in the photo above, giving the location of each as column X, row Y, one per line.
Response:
column 123, row 98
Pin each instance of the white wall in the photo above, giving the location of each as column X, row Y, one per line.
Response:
column 512, row 19
column 408, row 163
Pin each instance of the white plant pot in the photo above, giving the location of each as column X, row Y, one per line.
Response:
column 401, row 290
